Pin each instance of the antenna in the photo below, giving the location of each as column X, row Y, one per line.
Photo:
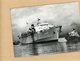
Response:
column 38, row 21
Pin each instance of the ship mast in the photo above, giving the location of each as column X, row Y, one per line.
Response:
column 38, row 21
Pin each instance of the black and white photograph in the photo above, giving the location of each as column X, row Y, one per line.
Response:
column 45, row 29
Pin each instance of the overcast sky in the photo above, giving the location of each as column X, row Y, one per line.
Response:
column 57, row 14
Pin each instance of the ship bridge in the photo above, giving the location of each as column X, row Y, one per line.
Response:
column 43, row 26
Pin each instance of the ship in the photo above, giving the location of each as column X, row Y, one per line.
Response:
column 44, row 32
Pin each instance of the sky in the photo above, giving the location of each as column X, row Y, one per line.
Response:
column 57, row 14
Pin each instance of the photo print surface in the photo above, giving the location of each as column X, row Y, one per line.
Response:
column 45, row 29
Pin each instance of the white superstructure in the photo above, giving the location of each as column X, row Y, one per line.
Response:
column 43, row 26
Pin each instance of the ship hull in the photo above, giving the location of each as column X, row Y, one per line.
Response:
column 46, row 35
